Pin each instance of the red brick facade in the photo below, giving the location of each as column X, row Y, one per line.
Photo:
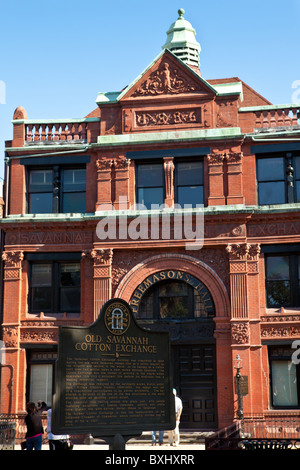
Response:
column 169, row 113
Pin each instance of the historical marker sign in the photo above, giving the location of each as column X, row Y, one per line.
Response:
column 112, row 377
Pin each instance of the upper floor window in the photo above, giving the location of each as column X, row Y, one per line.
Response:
column 57, row 189
column 189, row 180
column 150, row 186
column 278, row 179
column 55, row 287
column 188, row 183
column 283, row 280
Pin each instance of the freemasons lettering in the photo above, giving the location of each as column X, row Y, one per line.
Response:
column 171, row 275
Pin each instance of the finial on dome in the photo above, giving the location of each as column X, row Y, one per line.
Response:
column 181, row 12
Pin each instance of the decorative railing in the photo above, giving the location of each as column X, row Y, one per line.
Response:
column 63, row 130
column 7, row 435
column 275, row 116
column 19, row 424
column 258, row 433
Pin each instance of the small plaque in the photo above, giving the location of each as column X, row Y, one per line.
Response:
column 113, row 377
column 243, row 385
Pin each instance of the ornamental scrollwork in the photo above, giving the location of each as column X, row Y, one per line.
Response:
column 12, row 258
column 240, row 333
column 165, row 80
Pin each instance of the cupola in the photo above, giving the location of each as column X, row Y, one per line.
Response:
column 181, row 41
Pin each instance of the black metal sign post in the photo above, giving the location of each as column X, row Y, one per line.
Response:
column 113, row 378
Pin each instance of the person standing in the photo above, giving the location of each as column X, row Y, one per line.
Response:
column 160, row 437
column 56, row 442
column 35, row 429
column 174, row 435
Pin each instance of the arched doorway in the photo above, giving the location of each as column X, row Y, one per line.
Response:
column 183, row 309
column 183, row 296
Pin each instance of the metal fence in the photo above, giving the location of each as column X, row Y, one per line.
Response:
column 18, row 421
column 7, row 435
column 258, row 433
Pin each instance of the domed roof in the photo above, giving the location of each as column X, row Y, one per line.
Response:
column 181, row 40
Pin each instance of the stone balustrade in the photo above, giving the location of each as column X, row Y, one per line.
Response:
column 274, row 116
column 64, row 130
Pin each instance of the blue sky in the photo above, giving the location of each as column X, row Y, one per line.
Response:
column 56, row 56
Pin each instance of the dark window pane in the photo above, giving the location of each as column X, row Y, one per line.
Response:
column 70, row 287
column 173, row 300
column 70, row 274
column 146, row 307
column 203, row 308
column 70, row 299
column 173, row 289
column 278, row 293
column 297, row 195
column 148, row 196
column 41, row 275
column 296, row 166
column 150, row 175
column 278, row 268
column 190, row 173
column 40, row 203
column 191, row 195
column 270, row 169
column 41, row 299
column 174, row 307
column 74, row 202
column 271, row 193
column 40, row 179
column 74, row 180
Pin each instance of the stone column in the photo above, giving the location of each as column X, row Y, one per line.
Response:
column 10, row 374
column 245, row 327
column 169, row 181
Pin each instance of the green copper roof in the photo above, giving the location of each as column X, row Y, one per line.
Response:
column 181, row 40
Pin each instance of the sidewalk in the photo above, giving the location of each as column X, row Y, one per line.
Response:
column 142, row 446
column 188, row 441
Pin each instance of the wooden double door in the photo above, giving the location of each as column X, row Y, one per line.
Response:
column 194, row 375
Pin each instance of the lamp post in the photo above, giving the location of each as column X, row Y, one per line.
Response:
column 238, row 365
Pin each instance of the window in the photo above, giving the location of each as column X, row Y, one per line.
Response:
column 297, row 178
column 40, row 375
column 55, row 287
column 175, row 300
column 56, row 189
column 278, row 179
column 285, row 389
column 73, row 190
column 40, row 191
column 150, row 184
column 282, row 280
column 189, row 178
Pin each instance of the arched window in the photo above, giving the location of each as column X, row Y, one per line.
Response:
column 175, row 300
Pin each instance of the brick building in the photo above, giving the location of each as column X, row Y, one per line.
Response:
column 79, row 227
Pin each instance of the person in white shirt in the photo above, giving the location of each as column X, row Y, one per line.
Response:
column 56, row 441
column 174, row 435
